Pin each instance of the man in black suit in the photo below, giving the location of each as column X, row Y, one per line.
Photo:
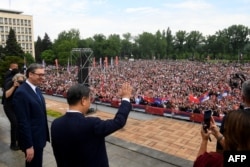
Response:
column 30, row 109
column 78, row 140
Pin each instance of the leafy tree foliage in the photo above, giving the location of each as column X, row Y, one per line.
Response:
column 224, row 44
column 12, row 47
column 38, row 49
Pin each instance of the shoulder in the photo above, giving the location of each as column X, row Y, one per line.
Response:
column 209, row 159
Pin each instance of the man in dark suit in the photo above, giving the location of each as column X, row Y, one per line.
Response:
column 78, row 140
column 30, row 109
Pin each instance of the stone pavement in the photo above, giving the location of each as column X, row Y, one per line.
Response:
column 145, row 141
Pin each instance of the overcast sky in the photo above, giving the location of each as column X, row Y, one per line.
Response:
column 107, row 17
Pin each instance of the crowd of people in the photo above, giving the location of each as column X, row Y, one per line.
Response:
column 181, row 85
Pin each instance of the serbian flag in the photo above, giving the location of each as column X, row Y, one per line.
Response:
column 193, row 99
column 204, row 97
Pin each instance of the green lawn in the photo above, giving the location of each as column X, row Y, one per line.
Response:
column 54, row 113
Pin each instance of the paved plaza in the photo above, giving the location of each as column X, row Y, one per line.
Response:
column 145, row 141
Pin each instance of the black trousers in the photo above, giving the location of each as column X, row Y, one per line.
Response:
column 37, row 161
column 13, row 124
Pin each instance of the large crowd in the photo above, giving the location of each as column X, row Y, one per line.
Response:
column 181, row 85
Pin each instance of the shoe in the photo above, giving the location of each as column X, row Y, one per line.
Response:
column 14, row 148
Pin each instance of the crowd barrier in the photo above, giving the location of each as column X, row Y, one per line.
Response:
column 171, row 113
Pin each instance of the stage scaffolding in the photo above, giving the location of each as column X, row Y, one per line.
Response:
column 83, row 59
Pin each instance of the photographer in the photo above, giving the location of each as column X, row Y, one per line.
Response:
column 10, row 88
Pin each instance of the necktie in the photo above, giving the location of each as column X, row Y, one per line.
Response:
column 38, row 94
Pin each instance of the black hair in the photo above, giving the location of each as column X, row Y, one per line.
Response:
column 76, row 93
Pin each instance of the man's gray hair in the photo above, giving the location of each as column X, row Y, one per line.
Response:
column 32, row 68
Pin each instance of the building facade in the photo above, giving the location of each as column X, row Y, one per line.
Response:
column 23, row 27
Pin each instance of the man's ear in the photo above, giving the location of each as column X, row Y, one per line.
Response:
column 84, row 101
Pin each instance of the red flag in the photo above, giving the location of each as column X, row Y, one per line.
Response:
column 193, row 99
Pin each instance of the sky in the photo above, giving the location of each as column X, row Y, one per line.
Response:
column 108, row 17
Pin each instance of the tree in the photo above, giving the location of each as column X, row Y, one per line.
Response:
column 126, row 45
column 112, row 45
column 48, row 56
column 38, row 49
column 146, row 43
column 46, row 43
column 237, row 38
column 193, row 42
column 12, row 47
column 160, row 45
column 169, row 42
column 64, row 44
column 180, row 41
column 5, row 63
column 99, row 45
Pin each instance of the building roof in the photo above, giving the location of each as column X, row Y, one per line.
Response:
column 10, row 11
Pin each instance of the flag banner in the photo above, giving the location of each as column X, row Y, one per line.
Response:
column 100, row 62
column 116, row 60
column 68, row 68
column 111, row 62
column 204, row 97
column 56, row 63
column 193, row 99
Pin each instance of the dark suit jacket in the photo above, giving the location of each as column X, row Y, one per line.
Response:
column 79, row 141
column 31, row 116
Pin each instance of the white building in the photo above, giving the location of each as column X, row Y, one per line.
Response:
column 23, row 27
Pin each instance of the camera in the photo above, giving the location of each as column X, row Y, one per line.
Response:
column 20, row 82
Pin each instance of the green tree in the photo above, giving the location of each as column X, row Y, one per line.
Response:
column 13, row 48
column 5, row 63
column 63, row 45
column 160, row 45
column 126, row 45
column 146, row 43
column 179, row 42
column 193, row 42
column 169, row 42
column 46, row 42
column 112, row 46
column 38, row 49
column 48, row 56
column 238, row 38
column 99, row 45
